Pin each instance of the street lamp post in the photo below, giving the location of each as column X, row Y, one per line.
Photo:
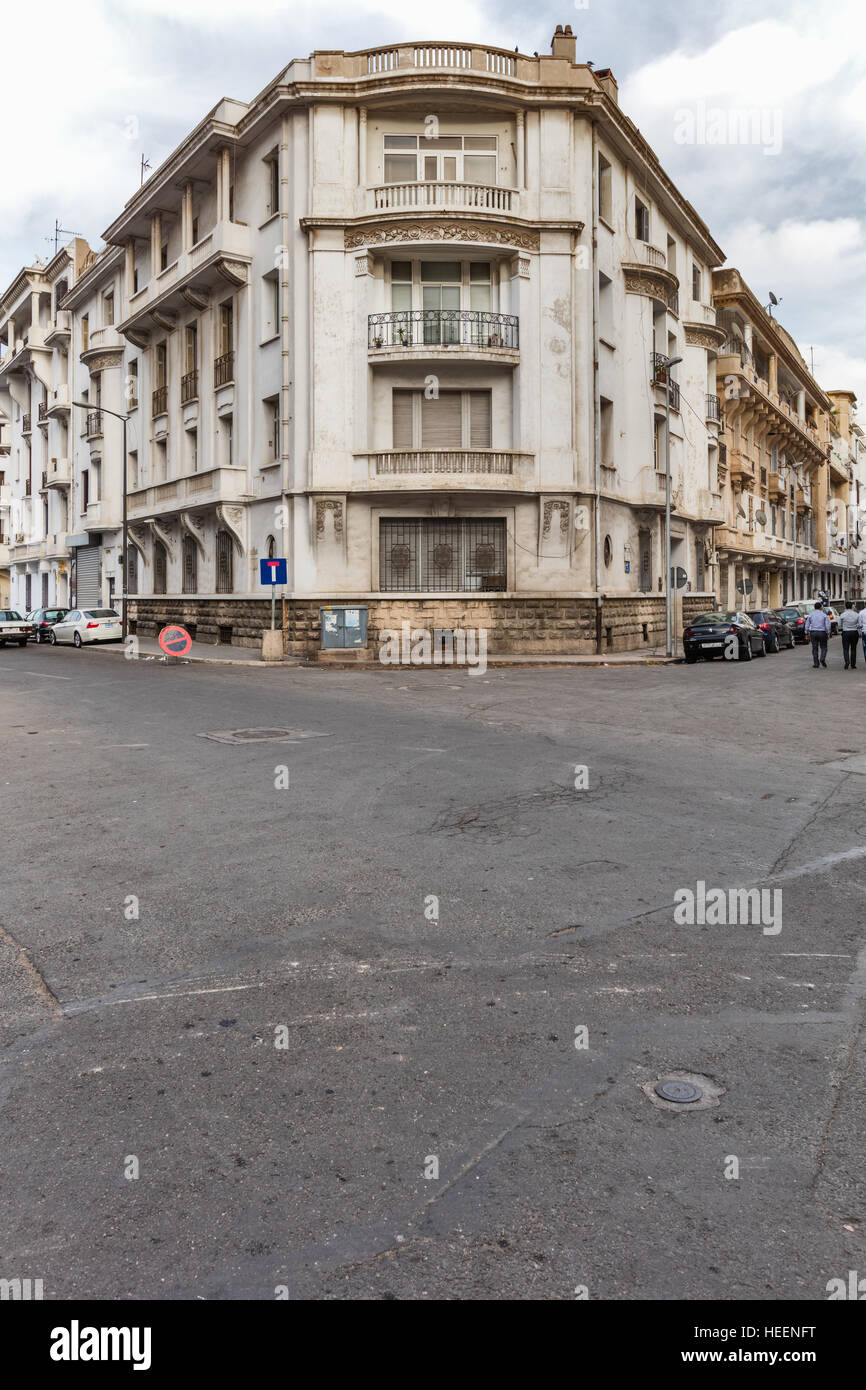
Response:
column 798, row 479
column 85, row 405
column 666, row 365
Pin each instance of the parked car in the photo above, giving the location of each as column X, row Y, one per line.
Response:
column 707, row 636
column 13, row 628
column 833, row 615
column 777, row 631
column 87, row 625
column 795, row 615
column 808, row 606
column 42, row 620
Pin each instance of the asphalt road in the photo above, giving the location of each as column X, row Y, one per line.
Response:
column 295, row 915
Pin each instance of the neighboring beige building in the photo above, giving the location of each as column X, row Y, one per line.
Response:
column 774, row 464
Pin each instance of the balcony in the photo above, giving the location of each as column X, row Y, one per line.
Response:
column 42, row 413
column 777, row 485
column 218, row 260
column 93, row 425
column 673, row 302
column 102, row 341
column 193, row 490
column 189, row 387
column 473, row 468
column 25, row 423
column 463, row 197
column 714, row 409
column 43, row 486
column 59, row 473
column 96, row 518
column 742, row 468
column 224, row 369
column 710, row 506
column 60, row 331
column 660, row 378
column 653, row 256
column 417, row 332
column 60, row 400
column 159, row 401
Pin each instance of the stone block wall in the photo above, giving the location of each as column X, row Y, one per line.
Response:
column 525, row 626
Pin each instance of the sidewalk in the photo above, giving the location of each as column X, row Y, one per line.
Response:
column 149, row 649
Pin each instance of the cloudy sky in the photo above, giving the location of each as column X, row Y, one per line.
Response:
column 103, row 83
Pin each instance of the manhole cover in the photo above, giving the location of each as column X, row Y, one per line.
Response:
column 682, row 1091
column 261, row 735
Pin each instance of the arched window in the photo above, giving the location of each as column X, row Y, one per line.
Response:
column 190, row 565
column 224, row 567
column 271, row 547
column 160, row 567
column 131, row 570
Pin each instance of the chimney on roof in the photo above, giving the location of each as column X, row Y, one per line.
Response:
column 563, row 42
column 609, row 83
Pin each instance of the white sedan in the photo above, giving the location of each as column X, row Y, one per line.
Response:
column 13, row 628
column 87, row 625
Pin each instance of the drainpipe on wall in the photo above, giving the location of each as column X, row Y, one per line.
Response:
column 596, row 399
column 285, row 342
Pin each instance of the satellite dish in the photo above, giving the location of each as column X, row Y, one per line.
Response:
column 761, row 518
column 740, row 511
column 773, row 299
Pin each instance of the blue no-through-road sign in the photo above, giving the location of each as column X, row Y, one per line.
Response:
column 273, row 572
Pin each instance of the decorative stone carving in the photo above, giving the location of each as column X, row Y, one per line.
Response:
column 164, row 532
column 164, row 320
column 334, row 506
column 103, row 361
column 233, row 518
column 499, row 234
column 705, row 336
column 364, row 265
column 523, row 265
column 138, row 535
column 654, row 283
column 197, row 299
column 193, row 526
column 139, row 337
column 235, row 272
column 554, row 539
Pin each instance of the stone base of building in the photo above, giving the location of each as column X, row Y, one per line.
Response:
column 523, row 626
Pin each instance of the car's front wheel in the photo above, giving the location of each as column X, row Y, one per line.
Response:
column 52, row 638
column 747, row 651
column 774, row 642
column 76, row 639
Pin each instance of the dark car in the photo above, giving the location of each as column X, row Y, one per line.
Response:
column 43, row 620
column 778, row 632
column 712, row 634
column 795, row 615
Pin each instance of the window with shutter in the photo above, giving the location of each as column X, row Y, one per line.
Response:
column 442, row 421
column 479, row 419
column 401, row 410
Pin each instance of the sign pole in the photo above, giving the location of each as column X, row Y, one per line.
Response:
column 273, row 605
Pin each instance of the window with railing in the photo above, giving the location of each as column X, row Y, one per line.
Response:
column 445, row 556
column 443, row 328
column 442, row 159
column 94, row 423
column 660, row 378
column 224, row 369
column 714, row 409
column 224, row 563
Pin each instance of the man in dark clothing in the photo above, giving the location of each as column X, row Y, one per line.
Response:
column 818, row 628
column 850, row 626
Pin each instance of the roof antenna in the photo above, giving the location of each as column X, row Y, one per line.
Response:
column 58, row 233
column 145, row 165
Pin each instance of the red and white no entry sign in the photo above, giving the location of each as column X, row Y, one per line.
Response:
column 175, row 641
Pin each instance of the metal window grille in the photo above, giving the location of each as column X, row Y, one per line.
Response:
column 190, row 565
column 646, row 579
column 132, row 570
column 225, row 572
column 160, row 566
column 442, row 556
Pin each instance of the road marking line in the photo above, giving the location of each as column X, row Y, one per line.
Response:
column 44, row 674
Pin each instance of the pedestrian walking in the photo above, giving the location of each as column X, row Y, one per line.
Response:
column 818, row 628
column 850, row 627
column 862, row 618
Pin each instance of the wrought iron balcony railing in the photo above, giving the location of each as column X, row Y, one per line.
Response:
column 443, row 328
column 159, row 400
column 42, row 414
column 93, row 427
column 224, row 369
column 189, row 387
column 660, row 378
column 25, row 423
column 714, row 409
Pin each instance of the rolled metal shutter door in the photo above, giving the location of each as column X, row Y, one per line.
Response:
column 87, row 593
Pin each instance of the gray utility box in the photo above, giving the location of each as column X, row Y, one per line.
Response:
column 343, row 628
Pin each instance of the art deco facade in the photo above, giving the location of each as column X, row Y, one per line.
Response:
column 401, row 319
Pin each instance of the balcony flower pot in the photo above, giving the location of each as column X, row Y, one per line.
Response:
column 377, row 342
